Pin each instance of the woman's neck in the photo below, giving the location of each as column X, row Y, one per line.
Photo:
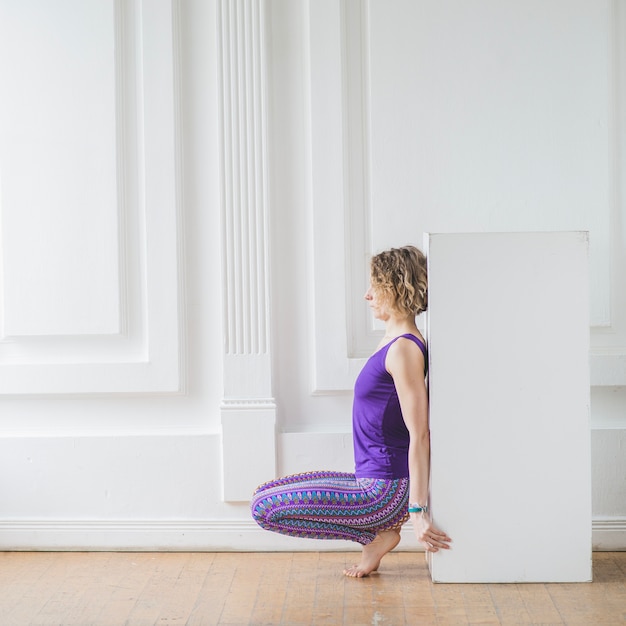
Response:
column 396, row 326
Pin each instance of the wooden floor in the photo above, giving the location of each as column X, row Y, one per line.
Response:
column 284, row 588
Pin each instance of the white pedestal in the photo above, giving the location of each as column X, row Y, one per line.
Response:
column 508, row 331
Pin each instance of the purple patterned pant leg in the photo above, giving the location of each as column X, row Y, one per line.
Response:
column 331, row 505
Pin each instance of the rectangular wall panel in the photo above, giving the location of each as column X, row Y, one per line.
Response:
column 90, row 197
column 490, row 117
column 501, row 144
column 58, row 188
column 509, row 390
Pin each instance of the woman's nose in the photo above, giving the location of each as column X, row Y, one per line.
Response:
column 368, row 294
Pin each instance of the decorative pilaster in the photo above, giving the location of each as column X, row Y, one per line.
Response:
column 248, row 408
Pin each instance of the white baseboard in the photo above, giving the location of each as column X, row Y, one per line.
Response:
column 162, row 536
column 609, row 534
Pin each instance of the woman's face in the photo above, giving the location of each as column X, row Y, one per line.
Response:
column 374, row 299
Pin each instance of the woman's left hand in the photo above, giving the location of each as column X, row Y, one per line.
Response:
column 429, row 535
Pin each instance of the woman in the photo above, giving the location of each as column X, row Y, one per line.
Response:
column 390, row 433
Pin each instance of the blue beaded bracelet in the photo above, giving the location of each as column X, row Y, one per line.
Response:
column 418, row 508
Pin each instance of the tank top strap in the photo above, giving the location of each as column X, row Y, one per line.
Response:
column 416, row 340
column 420, row 345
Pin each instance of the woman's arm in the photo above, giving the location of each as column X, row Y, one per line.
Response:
column 405, row 363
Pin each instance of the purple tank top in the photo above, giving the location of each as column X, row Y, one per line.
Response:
column 381, row 439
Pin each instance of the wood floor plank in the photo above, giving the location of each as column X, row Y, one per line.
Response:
column 329, row 591
column 240, row 601
column 299, row 601
column 82, row 595
column 358, row 605
column 144, row 602
column 215, row 590
column 449, row 605
column 290, row 589
column 478, row 604
column 132, row 587
column 539, row 604
column 509, row 604
column 272, row 588
column 180, row 599
column 35, row 602
column 21, row 575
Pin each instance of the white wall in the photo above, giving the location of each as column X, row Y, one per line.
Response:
column 178, row 280
column 449, row 118
column 112, row 438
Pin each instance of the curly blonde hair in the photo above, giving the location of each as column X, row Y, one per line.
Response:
column 400, row 277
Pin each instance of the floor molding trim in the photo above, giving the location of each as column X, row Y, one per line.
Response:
column 609, row 534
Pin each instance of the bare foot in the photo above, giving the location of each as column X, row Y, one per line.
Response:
column 384, row 542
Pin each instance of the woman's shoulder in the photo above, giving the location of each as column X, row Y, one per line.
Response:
column 406, row 357
column 407, row 348
column 408, row 340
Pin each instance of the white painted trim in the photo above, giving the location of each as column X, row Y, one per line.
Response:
column 608, row 370
column 609, row 534
column 244, row 176
column 355, row 43
column 181, row 244
column 244, row 200
column 166, row 536
column 248, row 448
column 247, row 405
column 148, row 355
column 125, row 69
column 332, row 368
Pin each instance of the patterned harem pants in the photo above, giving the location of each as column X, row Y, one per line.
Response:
column 331, row 505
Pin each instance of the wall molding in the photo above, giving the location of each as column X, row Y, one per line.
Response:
column 234, row 535
column 336, row 183
column 243, row 192
column 341, row 198
column 243, row 161
column 247, row 404
column 147, row 353
column 607, row 369
column 355, row 42
column 609, row 533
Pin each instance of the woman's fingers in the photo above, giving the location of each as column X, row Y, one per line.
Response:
column 435, row 539
column 431, row 537
column 435, row 533
column 439, row 536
